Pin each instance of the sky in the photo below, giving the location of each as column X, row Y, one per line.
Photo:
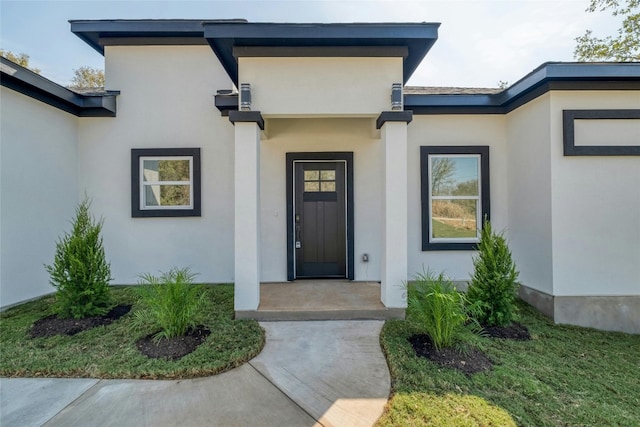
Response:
column 480, row 42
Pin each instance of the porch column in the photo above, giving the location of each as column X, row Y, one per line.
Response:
column 393, row 128
column 247, row 208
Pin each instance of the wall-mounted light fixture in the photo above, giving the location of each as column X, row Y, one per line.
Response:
column 245, row 96
column 396, row 97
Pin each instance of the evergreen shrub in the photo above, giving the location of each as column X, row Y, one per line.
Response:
column 80, row 272
column 494, row 283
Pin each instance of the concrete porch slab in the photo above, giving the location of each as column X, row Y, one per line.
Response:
column 321, row 300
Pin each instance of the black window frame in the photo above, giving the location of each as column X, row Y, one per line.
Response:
column 136, row 211
column 485, row 197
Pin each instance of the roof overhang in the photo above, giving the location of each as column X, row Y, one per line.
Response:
column 25, row 81
column 229, row 40
column 548, row 76
column 101, row 33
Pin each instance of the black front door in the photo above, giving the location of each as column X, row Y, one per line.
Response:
column 320, row 219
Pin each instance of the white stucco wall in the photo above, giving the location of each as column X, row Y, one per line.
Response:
column 38, row 191
column 529, row 187
column 318, row 135
column 456, row 130
column 166, row 101
column 605, row 132
column 320, row 86
column 596, row 207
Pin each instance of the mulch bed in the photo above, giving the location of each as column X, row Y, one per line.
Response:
column 173, row 348
column 515, row 331
column 53, row 325
column 469, row 362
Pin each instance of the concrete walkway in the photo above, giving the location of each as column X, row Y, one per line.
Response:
column 309, row 374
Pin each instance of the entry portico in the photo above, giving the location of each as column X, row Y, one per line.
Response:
column 312, row 99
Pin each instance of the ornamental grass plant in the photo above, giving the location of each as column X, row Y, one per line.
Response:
column 169, row 303
column 439, row 309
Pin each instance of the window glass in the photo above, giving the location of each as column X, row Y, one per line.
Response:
column 328, row 175
column 454, row 176
column 319, row 180
column 311, row 175
column 454, row 218
column 455, row 192
column 328, row 186
column 165, row 182
column 454, row 196
column 312, row 186
column 167, row 195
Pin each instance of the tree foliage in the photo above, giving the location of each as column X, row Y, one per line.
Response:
column 21, row 59
column 87, row 78
column 625, row 46
column 442, row 170
column 80, row 272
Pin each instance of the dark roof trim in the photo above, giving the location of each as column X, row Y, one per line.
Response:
column 224, row 37
column 226, row 102
column 108, row 32
column 22, row 80
column 394, row 116
column 151, row 41
column 246, row 117
column 320, row 51
column 549, row 76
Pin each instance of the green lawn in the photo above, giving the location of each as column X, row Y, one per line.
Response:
column 110, row 351
column 440, row 229
column 564, row 376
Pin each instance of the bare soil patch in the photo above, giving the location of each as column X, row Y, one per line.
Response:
column 515, row 331
column 469, row 362
column 173, row 348
column 53, row 325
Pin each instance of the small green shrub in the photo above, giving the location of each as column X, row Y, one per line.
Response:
column 438, row 308
column 170, row 302
column 494, row 283
column 80, row 272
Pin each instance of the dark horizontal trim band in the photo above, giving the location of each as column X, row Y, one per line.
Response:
column 394, row 116
column 568, row 133
column 320, row 51
column 152, row 41
column 246, row 117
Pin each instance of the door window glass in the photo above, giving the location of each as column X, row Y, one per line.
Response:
column 319, row 181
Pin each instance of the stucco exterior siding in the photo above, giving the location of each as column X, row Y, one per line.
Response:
column 454, row 130
column 38, row 191
column 595, row 206
column 166, row 101
column 529, row 187
column 320, row 86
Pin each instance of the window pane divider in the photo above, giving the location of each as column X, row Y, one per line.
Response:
column 166, row 183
